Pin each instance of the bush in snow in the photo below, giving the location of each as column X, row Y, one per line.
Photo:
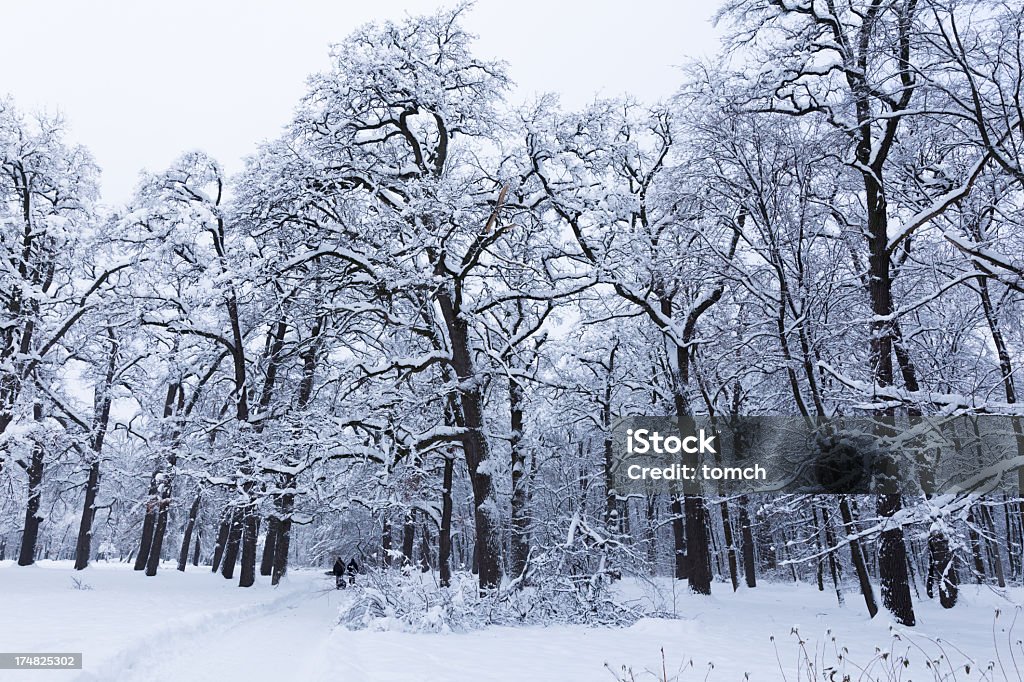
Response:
column 412, row 602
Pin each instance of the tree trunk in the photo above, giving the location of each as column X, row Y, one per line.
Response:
column 408, row 537
column 474, row 446
column 231, row 547
column 519, row 549
column 681, row 561
column 30, row 534
column 747, row 534
column 251, row 526
column 269, row 546
column 444, row 536
column 284, row 530
column 186, row 539
column 102, row 398
column 730, row 546
column 857, row 557
column 833, row 565
column 222, row 538
column 160, row 529
column 84, row 545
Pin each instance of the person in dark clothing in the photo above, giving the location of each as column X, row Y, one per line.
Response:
column 339, row 573
column 352, row 569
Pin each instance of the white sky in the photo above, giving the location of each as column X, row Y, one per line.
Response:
column 141, row 81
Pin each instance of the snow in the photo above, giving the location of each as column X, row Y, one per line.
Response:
column 197, row 626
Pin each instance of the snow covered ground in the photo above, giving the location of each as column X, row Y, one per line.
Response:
column 196, row 626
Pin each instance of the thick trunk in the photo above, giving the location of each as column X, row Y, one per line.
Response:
column 234, row 540
column 148, row 524
column 250, row 536
column 83, row 547
column 681, row 561
column 942, row 565
column 159, row 531
column 695, row 512
column 892, row 564
column 892, row 552
column 698, row 543
column 284, row 532
column 186, row 539
column 269, row 546
column 30, row 534
column 101, row 418
column 474, row 446
column 222, row 539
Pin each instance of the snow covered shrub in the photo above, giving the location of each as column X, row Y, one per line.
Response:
column 410, row 601
column 413, row 602
column 571, row 579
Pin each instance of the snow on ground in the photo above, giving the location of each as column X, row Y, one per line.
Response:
column 196, row 626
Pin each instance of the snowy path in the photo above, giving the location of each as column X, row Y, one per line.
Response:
column 283, row 639
column 198, row 627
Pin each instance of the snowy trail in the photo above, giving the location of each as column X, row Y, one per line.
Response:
column 285, row 638
column 196, row 626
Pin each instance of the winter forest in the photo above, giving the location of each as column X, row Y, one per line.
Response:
column 402, row 334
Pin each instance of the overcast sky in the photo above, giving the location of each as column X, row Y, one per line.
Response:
column 141, row 81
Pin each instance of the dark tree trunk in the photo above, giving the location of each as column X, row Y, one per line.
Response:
column 284, row 531
column 747, row 533
column 444, row 536
column 730, row 546
column 30, row 534
column 222, row 538
column 83, row 548
column 186, row 539
column 474, row 445
column 942, row 564
column 231, row 547
column 519, row 550
column 101, row 418
column 681, row 561
column 408, row 538
column 698, row 544
column 269, row 546
column 833, row 565
column 195, row 552
column 857, row 557
column 892, row 564
column 251, row 526
column 159, row 531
